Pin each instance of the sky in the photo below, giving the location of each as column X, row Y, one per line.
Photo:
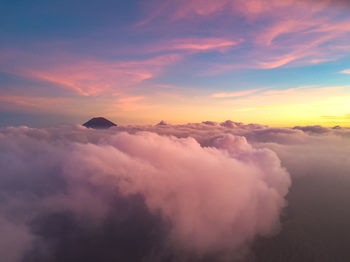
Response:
column 279, row 63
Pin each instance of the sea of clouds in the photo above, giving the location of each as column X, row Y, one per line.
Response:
column 195, row 192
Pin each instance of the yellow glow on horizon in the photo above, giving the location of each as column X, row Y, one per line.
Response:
column 328, row 106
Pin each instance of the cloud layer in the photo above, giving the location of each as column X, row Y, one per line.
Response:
column 206, row 198
column 188, row 192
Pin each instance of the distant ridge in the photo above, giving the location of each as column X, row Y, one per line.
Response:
column 99, row 123
column 162, row 123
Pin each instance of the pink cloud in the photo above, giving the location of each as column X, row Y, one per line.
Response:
column 36, row 103
column 211, row 198
column 197, row 7
column 203, row 44
column 191, row 45
column 96, row 77
column 277, row 62
column 236, row 94
column 250, row 8
column 346, row 71
column 132, row 103
column 212, row 187
column 86, row 76
column 289, row 32
column 131, row 99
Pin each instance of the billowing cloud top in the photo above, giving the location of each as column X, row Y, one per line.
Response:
column 191, row 190
column 210, row 198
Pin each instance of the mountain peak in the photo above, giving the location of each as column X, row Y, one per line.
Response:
column 162, row 123
column 99, row 123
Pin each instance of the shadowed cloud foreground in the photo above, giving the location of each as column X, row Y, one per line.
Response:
column 194, row 192
column 209, row 199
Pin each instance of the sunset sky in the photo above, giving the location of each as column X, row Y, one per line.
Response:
column 280, row 63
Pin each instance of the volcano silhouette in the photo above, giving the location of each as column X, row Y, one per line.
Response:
column 99, row 123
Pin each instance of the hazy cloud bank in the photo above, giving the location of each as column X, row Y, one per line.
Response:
column 207, row 199
column 157, row 193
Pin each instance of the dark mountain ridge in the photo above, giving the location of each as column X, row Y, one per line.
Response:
column 99, row 123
